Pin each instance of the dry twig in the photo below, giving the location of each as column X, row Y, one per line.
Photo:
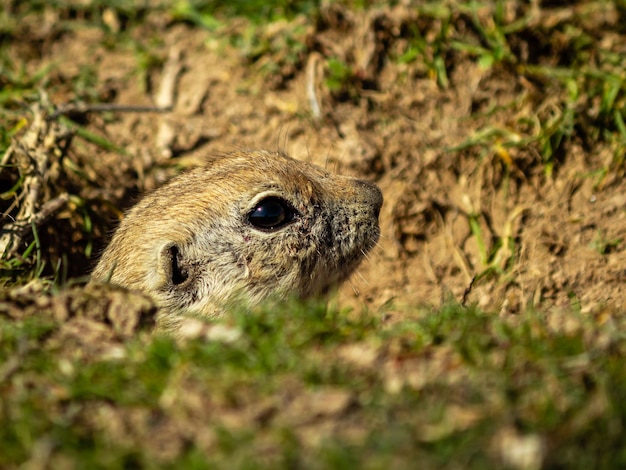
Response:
column 43, row 144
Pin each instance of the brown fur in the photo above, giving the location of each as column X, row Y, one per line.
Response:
column 191, row 247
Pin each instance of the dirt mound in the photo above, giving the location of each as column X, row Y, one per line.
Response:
column 503, row 179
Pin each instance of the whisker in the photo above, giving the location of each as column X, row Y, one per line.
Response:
column 355, row 289
column 363, row 278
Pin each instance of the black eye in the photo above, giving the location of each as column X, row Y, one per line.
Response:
column 271, row 213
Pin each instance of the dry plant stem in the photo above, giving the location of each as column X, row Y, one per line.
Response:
column 311, row 84
column 19, row 230
column 43, row 143
column 32, row 155
column 166, row 98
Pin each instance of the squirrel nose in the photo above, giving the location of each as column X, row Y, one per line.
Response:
column 373, row 195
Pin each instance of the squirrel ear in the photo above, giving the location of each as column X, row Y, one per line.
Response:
column 174, row 266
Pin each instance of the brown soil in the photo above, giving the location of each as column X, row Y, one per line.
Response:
column 560, row 228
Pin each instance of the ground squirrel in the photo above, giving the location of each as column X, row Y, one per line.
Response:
column 245, row 225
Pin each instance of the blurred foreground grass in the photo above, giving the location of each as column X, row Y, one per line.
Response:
column 305, row 387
